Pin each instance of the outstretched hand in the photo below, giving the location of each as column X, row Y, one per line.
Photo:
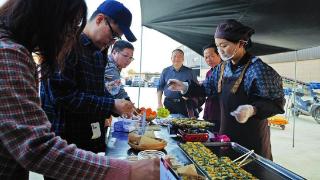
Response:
column 175, row 85
column 146, row 169
column 123, row 107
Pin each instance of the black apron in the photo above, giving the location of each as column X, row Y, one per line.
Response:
column 255, row 133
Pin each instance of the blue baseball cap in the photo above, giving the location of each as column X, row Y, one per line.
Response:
column 120, row 14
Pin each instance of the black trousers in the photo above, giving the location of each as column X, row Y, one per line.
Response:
column 176, row 106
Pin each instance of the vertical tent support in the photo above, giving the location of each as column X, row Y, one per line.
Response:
column 294, row 97
column 140, row 67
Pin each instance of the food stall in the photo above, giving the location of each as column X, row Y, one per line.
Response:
column 211, row 159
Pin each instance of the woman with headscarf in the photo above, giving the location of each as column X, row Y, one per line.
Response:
column 249, row 90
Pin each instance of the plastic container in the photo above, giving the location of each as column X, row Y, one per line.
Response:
column 149, row 154
column 125, row 125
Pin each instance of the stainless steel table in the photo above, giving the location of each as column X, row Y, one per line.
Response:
column 117, row 147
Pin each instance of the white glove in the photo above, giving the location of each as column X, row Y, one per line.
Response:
column 243, row 113
column 176, row 85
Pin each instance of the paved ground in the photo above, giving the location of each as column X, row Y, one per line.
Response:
column 303, row 158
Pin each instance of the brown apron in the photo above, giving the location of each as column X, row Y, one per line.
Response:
column 255, row 133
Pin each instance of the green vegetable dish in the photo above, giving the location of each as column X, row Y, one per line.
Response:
column 215, row 167
column 163, row 112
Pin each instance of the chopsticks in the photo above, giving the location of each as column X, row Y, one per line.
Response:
column 125, row 116
column 244, row 156
column 135, row 110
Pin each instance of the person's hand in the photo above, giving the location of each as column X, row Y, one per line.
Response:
column 243, row 113
column 176, row 85
column 146, row 169
column 123, row 107
column 160, row 105
column 108, row 122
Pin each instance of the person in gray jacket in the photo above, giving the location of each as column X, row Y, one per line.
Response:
column 120, row 57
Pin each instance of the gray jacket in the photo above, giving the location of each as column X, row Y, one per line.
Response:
column 112, row 72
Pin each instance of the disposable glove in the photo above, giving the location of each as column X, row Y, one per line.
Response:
column 176, row 85
column 243, row 113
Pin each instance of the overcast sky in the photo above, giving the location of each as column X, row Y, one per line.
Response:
column 157, row 47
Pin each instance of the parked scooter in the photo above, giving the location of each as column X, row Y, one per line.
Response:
column 310, row 107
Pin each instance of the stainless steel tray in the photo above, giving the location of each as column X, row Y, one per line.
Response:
column 260, row 167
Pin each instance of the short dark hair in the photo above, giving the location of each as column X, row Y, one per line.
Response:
column 50, row 28
column 120, row 45
column 211, row 45
column 178, row 50
column 94, row 14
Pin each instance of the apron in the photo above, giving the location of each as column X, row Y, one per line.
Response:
column 255, row 133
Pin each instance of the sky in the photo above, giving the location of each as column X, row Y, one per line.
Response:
column 156, row 48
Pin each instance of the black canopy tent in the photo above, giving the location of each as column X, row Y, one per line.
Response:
column 281, row 26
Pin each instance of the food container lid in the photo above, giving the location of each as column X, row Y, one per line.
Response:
column 149, row 154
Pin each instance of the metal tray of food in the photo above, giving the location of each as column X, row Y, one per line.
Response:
column 190, row 123
column 258, row 166
column 194, row 135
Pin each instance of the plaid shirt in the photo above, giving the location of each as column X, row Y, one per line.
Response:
column 48, row 105
column 26, row 141
column 80, row 98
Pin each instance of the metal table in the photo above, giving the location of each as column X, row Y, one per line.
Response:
column 117, row 147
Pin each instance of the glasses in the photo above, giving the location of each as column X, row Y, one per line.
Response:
column 126, row 56
column 115, row 35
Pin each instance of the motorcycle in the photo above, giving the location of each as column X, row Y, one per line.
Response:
column 309, row 107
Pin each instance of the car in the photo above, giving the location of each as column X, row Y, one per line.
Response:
column 128, row 82
column 137, row 82
column 154, row 82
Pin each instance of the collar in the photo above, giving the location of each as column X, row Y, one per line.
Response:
column 242, row 61
column 84, row 39
column 112, row 61
column 173, row 69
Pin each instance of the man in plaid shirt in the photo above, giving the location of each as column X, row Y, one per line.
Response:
column 26, row 141
column 81, row 102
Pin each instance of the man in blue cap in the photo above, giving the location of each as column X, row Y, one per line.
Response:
column 75, row 98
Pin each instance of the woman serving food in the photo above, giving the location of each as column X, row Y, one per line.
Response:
column 249, row 90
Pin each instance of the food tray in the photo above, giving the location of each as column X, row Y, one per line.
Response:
column 259, row 166
column 160, row 146
column 190, row 123
column 194, row 136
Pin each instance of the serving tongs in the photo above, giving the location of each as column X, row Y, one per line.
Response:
column 244, row 158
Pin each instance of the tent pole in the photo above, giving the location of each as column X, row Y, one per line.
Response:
column 200, row 67
column 140, row 68
column 294, row 97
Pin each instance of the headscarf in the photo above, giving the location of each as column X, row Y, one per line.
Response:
column 233, row 30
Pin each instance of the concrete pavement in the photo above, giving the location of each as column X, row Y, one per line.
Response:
column 304, row 157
